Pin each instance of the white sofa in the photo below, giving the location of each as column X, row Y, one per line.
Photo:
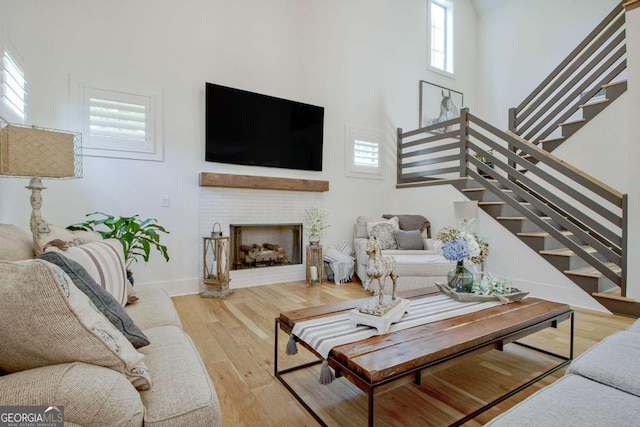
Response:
column 601, row 387
column 416, row 268
column 69, row 366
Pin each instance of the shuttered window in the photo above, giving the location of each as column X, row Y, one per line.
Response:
column 121, row 124
column 14, row 88
column 363, row 152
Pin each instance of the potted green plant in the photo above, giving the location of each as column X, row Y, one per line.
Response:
column 486, row 162
column 137, row 236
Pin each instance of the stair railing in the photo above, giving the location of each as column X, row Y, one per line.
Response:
column 554, row 195
column 595, row 62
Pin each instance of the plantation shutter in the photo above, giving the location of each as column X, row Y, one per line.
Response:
column 118, row 121
column 365, row 153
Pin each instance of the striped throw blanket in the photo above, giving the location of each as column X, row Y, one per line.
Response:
column 327, row 332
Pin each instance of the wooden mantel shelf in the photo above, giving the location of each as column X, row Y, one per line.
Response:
column 208, row 179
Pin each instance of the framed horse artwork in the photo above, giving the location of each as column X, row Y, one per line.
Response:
column 438, row 104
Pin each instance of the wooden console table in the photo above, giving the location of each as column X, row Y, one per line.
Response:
column 398, row 358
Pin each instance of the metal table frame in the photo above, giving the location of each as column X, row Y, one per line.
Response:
column 497, row 343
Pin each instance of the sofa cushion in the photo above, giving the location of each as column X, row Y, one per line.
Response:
column 47, row 320
column 102, row 299
column 90, row 394
column 383, row 231
column 573, row 401
column 613, row 362
column 15, row 244
column 411, row 239
column 183, row 395
column 104, row 261
column 154, row 308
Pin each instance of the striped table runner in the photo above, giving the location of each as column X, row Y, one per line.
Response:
column 327, row 332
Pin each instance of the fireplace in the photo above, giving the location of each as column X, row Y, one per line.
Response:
column 265, row 245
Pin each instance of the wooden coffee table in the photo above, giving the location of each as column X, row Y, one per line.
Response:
column 397, row 358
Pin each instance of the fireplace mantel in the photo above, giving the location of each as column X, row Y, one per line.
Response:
column 208, row 179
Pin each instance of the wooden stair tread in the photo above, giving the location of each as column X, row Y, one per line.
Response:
column 566, row 251
column 613, row 294
column 474, row 189
column 596, row 102
column 592, row 272
column 553, row 139
column 500, row 203
column 616, row 83
column 572, row 122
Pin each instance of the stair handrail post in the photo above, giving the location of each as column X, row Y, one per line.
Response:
column 625, row 253
column 464, row 137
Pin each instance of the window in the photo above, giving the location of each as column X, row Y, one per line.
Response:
column 363, row 152
column 441, row 35
column 119, row 123
column 14, row 93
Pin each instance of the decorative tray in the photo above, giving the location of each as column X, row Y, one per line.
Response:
column 516, row 295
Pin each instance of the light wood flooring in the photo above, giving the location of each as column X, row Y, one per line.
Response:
column 235, row 337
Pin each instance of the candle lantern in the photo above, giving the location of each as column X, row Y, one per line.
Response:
column 216, row 266
column 314, row 265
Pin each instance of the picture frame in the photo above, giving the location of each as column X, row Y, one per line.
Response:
column 438, row 103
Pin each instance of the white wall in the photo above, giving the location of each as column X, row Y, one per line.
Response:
column 360, row 59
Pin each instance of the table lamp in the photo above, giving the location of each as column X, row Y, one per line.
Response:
column 465, row 212
column 27, row 151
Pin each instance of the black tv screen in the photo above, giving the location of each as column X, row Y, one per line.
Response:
column 248, row 128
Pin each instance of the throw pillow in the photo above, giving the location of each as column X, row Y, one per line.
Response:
column 104, row 261
column 411, row 239
column 361, row 225
column 47, row 320
column 102, row 299
column 48, row 232
column 383, row 231
column 412, row 222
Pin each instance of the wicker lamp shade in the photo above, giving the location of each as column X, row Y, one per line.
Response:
column 35, row 152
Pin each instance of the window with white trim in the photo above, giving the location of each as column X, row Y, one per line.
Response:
column 14, row 87
column 363, row 154
column 119, row 123
column 440, row 20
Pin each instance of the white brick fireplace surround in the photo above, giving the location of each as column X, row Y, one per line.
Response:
column 255, row 206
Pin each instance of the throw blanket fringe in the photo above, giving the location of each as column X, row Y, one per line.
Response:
column 324, row 333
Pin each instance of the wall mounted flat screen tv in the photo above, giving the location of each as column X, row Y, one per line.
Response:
column 248, row 128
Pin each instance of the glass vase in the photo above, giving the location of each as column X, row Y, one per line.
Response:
column 460, row 279
column 314, row 240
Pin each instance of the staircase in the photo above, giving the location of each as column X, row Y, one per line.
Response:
column 572, row 220
column 550, row 248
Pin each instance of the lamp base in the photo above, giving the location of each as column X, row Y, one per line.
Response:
column 38, row 225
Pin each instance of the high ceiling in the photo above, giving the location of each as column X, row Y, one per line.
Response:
column 483, row 7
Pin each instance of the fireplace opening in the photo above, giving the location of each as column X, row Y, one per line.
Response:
column 265, row 245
